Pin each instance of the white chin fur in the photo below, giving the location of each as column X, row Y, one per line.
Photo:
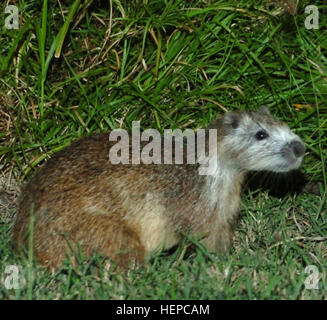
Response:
column 285, row 167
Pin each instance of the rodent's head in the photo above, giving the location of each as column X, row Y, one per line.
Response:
column 257, row 141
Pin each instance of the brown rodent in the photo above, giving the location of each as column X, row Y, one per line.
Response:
column 79, row 199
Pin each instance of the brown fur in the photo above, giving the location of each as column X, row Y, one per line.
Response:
column 80, row 200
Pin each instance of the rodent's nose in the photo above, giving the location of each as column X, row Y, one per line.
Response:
column 298, row 148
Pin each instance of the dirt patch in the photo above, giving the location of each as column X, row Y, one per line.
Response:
column 9, row 192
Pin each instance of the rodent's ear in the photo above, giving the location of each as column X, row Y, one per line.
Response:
column 232, row 119
column 264, row 110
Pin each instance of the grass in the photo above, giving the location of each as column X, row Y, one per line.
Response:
column 73, row 68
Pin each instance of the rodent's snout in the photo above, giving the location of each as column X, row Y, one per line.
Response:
column 298, row 148
column 292, row 153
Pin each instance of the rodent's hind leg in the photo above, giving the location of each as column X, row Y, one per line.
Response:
column 110, row 236
column 94, row 233
column 123, row 247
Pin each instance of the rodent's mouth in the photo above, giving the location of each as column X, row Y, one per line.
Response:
column 292, row 163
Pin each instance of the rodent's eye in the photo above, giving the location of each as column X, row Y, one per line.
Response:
column 262, row 134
